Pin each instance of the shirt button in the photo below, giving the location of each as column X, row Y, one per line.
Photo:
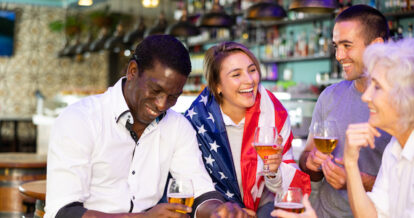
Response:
column 133, row 172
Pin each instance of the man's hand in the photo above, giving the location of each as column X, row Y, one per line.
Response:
column 168, row 210
column 309, row 212
column 335, row 173
column 315, row 160
column 230, row 210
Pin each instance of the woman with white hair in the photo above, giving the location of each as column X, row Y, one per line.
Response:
column 390, row 98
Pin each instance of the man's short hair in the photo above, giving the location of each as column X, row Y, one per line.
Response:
column 165, row 49
column 374, row 24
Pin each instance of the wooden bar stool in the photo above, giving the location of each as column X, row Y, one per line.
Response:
column 15, row 169
column 37, row 190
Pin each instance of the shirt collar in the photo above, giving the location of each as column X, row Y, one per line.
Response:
column 119, row 105
column 407, row 152
column 229, row 122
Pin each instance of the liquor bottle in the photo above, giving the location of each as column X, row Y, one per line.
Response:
column 410, row 30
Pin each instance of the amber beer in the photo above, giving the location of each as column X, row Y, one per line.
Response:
column 267, row 149
column 325, row 144
column 187, row 200
column 290, row 207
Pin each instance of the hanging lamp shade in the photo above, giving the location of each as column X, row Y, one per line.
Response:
column 265, row 11
column 115, row 42
column 216, row 18
column 183, row 28
column 135, row 34
column 61, row 53
column 84, row 47
column 159, row 27
column 313, row 6
column 99, row 43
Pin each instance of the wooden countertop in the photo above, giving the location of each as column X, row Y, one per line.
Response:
column 22, row 160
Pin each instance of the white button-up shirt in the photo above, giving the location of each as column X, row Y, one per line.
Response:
column 93, row 159
column 393, row 191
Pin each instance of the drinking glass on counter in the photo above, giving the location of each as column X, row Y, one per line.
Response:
column 290, row 200
column 325, row 136
column 265, row 143
column 180, row 191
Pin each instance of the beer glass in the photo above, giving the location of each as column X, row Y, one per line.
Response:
column 265, row 143
column 290, row 200
column 325, row 136
column 180, row 191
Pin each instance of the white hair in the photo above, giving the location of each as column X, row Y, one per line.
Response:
column 398, row 60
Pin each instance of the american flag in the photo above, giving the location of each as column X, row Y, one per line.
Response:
column 205, row 116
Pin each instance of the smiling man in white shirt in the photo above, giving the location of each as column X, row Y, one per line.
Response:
column 110, row 154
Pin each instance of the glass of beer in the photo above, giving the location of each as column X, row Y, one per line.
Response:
column 325, row 136
column 265, row 143
column 290, row 200
column 180, row 191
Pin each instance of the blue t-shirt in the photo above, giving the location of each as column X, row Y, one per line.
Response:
column 341, row 102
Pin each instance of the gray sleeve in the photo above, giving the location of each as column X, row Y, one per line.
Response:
column 318, row 110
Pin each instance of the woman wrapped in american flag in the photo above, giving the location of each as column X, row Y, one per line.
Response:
column 225, row 116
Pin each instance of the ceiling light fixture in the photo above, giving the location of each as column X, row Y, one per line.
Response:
column 183, row 28
column 266, row 10
column 216, row 18
column 313, row 6
column 85, row 2
column 150, row 3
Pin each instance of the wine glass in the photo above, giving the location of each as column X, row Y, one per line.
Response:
column 290, row 200
column 325, row 136
column 265, row 143
column 180, row 191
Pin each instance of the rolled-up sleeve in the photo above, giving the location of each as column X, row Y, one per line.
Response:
column 68, row 164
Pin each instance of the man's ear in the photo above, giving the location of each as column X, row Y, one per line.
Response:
column 132, row 70
column 377, row 40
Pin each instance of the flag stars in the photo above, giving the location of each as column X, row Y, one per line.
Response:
column 210, row 117
column 229, row 194
column 201, row 130
column 209, row 160
column 222, row 176
column 214, row 146
column 191, row 113
column 203, row 99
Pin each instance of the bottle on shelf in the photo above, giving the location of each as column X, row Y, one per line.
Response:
column 410, row 33
column 290, row 45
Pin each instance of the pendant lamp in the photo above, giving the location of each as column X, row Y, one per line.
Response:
column 216, row 18
column 183, row 28
column 61, row 53
column 266, row 10
column 84, row 47
column 135, row 34
column 99, row 43
column 115, row 42
column 159, row 27
column 313, row 6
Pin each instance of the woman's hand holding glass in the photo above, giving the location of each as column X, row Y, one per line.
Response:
column 269, row 147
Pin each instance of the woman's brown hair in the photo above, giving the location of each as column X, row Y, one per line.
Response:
column 213, row 59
